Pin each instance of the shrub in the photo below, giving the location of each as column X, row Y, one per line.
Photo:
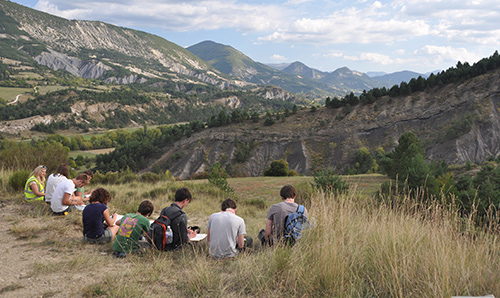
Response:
column 18, row 180
column 108, row 178
column 218, row 177
column 149, row 177
column 278, row 168
column 329, row 182
column 128, row 177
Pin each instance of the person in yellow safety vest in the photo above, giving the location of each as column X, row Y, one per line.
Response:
column 34, row 190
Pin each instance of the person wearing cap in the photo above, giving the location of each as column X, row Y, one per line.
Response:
column 226, row 232
column 276, row 215
column 63, row 198
column 178, row 218
column 34, row 189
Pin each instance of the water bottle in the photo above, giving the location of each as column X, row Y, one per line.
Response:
column 169, row 236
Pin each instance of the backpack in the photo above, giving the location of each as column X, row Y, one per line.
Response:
column 295, row 223
column 157, row 232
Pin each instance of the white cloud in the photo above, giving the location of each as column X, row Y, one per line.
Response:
column 439, row 54
column 297, row 2
column 74, row 13
column 351, row 25
column 375, row 58
column 172, row 15
column 335, row 54
column 278, row 58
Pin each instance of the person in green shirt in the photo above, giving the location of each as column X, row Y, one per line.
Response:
column 133, row 226
column 80, row 191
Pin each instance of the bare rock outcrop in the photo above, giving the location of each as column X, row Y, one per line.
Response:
column 456, row 123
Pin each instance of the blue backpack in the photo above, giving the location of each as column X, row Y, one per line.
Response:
column 295, row 223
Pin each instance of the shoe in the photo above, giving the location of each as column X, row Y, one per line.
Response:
column 118, row 254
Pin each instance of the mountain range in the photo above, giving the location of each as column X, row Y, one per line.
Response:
column 96, row 50
column 112, row 76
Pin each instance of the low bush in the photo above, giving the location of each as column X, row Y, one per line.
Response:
column 149, row 177
column 18, row 180
column 329, row 182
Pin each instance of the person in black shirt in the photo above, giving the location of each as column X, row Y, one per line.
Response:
column 178, row 218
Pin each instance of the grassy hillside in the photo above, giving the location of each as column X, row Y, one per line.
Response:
column 358, row 249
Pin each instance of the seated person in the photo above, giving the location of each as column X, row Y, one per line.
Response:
column 277, row 214
column 133, row 226
column 63, row 198
column 54, row 179
column 226, row 231
column 93, row 217
column 34, row 190
column 80, row 191
column 178, row 218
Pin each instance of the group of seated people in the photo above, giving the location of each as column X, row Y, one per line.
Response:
column 226, row 231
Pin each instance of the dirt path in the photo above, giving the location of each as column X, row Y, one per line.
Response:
column 15, row 100
column 47, row 264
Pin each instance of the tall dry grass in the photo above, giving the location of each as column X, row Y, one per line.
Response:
column 358, row 248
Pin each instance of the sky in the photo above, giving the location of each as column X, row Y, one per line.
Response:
column 363, row 35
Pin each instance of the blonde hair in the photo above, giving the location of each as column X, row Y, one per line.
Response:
column 37, row 171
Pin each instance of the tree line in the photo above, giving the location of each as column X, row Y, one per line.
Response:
column 460, row 73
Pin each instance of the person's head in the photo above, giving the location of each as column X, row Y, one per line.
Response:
column 288, row 192
column 81, row 180
column 39, row 172
column 146, row 208
column 100, row 195
column 182, row 194
column 228, row 203
column 89, row 173
column 63, row 169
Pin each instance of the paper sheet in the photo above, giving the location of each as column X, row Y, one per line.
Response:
column 199, row 237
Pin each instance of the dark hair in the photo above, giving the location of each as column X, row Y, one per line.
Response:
column 288, row 192
column 183, row 193
column 63, row 169
column 100, row 195
column 145, row 208
column 89, row 173
column 228, row 203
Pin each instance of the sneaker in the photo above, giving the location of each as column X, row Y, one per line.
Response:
column 119, row 254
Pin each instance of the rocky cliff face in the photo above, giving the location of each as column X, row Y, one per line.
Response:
column 456, row 123
column 70, row 42
column 91, row 69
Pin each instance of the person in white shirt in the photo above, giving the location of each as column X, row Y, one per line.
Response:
column 54, row 179
column 226, row 232
column 64, row 198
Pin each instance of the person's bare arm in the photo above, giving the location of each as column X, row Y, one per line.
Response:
column 269, row 224
column 110, row 221
column 69, row 199
column 208, row 235
column 241, row 241
column 34, row 188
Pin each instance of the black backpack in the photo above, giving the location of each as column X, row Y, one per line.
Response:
column 156, row 233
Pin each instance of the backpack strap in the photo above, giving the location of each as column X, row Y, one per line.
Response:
column 164, row 227
column 300, row 209
column 172, row 218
